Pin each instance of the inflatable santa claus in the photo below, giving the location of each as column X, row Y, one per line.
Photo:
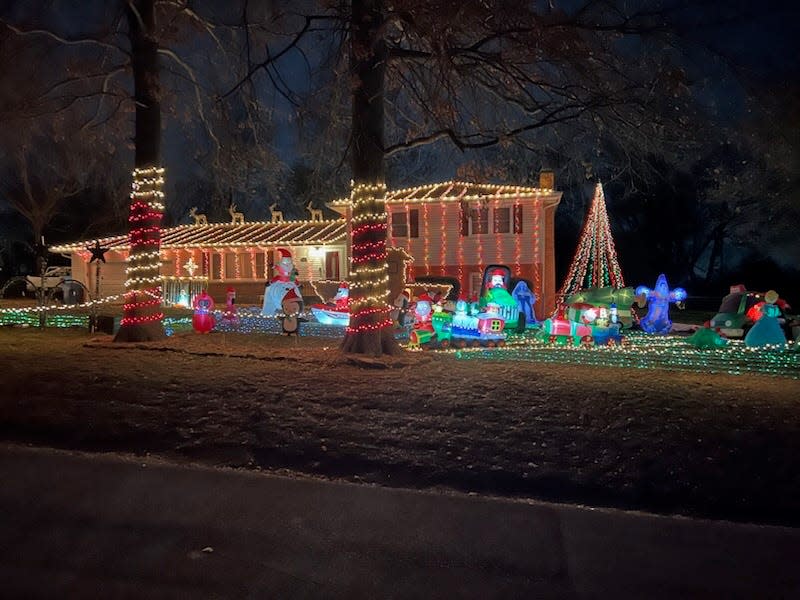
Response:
column 284, row 283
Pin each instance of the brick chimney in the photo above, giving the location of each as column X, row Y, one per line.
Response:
column 547, row 179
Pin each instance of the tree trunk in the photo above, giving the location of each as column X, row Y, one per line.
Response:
column 41, row 266
column 716, row 253
column 370, row 331
column 142, row 316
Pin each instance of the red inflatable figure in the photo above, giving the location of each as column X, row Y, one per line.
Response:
column 203, row 319
column 230, row 316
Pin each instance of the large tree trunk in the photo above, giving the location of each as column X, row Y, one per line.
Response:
column 370, row 331
column 715, row 255
column 142, row 316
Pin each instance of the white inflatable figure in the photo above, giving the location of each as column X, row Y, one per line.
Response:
column 280, row 286
column 342, row 298
column 183, row 298
column 400, row 310
column 462, row 320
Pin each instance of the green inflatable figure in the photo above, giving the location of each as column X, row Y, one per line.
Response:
column 706, row 338
column 620, row 299
column 496, row 292
column 604, row 296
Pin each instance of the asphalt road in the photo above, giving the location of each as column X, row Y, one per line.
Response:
column 103, row 526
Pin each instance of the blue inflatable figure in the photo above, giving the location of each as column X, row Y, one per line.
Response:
column 657, row 318
column 767, row 330
column 525, row 300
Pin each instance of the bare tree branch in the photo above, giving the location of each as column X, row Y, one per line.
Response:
column 272, row 59
column 198, row 97
column 64, row 40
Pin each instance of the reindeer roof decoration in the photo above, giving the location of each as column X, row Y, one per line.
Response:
column 199, row 218
column 316, row 213
column 237, row 218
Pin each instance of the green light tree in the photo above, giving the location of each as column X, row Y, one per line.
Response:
column 595, row 261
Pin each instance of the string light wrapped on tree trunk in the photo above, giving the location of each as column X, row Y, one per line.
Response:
column 369, row 310
column 143, row 280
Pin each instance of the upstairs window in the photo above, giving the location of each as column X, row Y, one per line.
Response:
column 405, row 223
column 480, row 220
column 502, row 220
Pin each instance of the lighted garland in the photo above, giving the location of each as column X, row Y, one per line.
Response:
column 443, row 236
column 58, row 307
column 29, row 319
column 369, row 270
column 516, row 227
column 468, row 191
column 143, row 282
column 643, row 351
column 537, row 254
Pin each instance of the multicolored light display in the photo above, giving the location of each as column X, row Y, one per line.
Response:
column 595, row 262
column 643, row 351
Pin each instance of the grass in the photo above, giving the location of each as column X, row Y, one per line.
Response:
column 720, row 445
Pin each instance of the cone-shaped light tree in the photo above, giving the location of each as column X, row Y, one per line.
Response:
column 595, row 262
column 142, row 317
column 370, row 329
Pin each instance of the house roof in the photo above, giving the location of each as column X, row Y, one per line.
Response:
column 294, row 233
column 289, row 233
column 460, row 190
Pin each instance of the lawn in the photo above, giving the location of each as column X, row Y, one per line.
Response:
column 715, row 445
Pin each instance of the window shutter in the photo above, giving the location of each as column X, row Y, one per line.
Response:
column 463, row 213
column 518, row 218
column 413, row 225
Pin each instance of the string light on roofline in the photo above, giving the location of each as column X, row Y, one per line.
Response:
column 480, row 190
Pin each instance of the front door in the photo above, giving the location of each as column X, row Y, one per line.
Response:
column 332, row 266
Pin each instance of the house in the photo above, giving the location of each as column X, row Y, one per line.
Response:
column 455, row 229
column 452, row 229
column 220, row 255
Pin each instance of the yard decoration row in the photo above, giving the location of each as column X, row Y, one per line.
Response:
column 465, row 327
column 473, row 323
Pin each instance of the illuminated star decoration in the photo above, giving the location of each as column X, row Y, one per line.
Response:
column 191, row 266
column 97, row 253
